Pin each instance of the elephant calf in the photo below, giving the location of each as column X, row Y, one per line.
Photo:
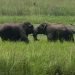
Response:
column 54, row 32
column 15, row 32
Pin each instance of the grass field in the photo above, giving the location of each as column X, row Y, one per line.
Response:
column 40, row 7
column 37, row 58
column 40, row 57
column 35, row 19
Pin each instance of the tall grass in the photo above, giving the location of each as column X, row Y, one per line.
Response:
column 37, row 58
column 40, row 7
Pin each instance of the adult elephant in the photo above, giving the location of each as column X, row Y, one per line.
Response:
column 54, row 32
column 14, row 32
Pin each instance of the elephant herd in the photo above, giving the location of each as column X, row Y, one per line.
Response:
column 20, row 32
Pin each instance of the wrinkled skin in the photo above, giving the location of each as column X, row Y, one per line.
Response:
column 15, row 32
column 54, row 32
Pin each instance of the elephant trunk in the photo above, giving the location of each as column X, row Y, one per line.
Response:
column 35, row 32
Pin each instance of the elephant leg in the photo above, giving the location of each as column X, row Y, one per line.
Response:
column 55, row 36
column 24, row 37
column 52, row 37
column 61, row 38
column 49, row 37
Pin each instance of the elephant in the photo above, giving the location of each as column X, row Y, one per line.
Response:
column 54, row 32
column 15, row 32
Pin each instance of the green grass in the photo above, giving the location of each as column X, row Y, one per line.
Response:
column 37, row 58
column 38, row 19
column 40, row 7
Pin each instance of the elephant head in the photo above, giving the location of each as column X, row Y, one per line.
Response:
column 41, row 29
column 28, row 27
